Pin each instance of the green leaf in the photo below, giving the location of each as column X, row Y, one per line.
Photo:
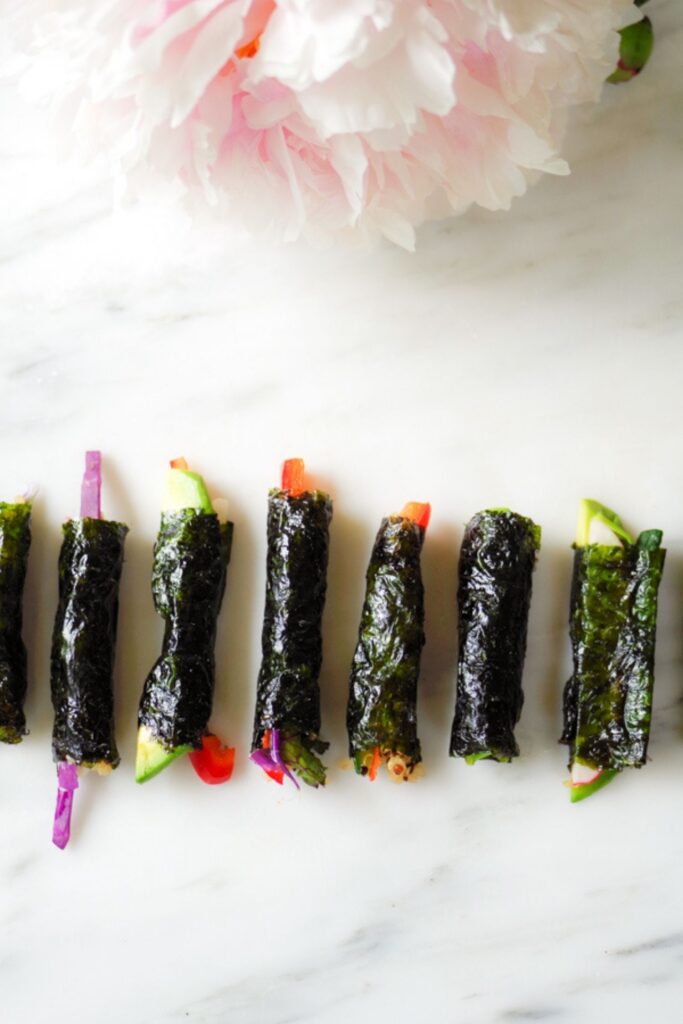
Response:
column 637, row 42
column 303, row 761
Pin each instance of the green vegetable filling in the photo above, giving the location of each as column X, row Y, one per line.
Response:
column 299, row 754
column 608, row 699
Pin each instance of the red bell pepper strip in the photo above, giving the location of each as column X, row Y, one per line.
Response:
column 418, row 511
column 214, row 763
column 294, row 477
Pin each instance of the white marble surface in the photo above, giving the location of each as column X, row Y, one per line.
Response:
column 524, row 359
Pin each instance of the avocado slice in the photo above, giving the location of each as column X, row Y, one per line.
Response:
column 185, row 489
column 152, row 757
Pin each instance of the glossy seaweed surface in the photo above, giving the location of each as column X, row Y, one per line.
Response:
column 288, row 694
column 15, row 540
column 191, row 556
column 494, row 592
column 608, row 699
column 383, row 693
column 84, row 640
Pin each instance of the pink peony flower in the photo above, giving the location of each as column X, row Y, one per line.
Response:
column 324, row 117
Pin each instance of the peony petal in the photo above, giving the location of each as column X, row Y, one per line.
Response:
column 360, row 119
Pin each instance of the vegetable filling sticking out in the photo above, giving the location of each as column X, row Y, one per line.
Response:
column 191, row 556
column 381, row 714
column 83, row 646
column 15, row 540
column 494, row 592
column 613, row 618
column 286, row 741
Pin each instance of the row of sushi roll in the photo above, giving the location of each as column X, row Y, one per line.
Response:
column 607, row 701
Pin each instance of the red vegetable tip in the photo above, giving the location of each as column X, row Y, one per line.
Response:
column 293, row 477
column 418, row 512
column 214, row 763
column 374, row 764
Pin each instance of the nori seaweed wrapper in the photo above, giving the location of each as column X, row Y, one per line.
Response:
column 494, row 592
column 382, row 708
column 288, row 694
column 84, row 640
column 191, row 556
column 608, row 699
column 15, row 540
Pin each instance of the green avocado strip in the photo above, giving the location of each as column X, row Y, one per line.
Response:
column 288, row 692
column 15, row 540
column 613, row 616
column 382, row 707
column 152, row 757
column 185, row 489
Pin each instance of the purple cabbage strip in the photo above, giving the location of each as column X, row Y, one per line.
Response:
column 91, row 487
column 67, row 783
column 263, row 759
column 277, row 756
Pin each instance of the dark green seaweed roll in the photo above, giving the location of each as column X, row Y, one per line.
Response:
column 191, row 556
column 382, row 709
column 83, row 642
column 287, row 716
column 494, row 592
column 613, row 621
column 15, row 540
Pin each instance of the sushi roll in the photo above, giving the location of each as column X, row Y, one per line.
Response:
column 191, row 557
column 83, row 645
column 286, row 740
column 381, row 713
column 494, row 592
column 15, row 540
column 613, row 620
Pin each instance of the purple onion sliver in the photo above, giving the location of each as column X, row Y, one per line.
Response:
column 91, row 487
column 67, row 783
column 263, row 759
column 67, row 776
column 277, row 756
